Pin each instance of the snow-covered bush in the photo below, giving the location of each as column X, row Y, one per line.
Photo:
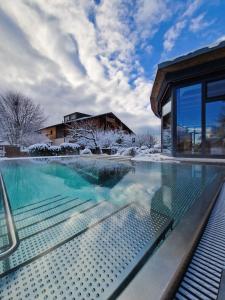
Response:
column 69, row 148
column 54, row 150
column 39, row 149
column 86, row 151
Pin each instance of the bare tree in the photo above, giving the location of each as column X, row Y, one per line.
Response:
column 85, row 133
column 145, row 139
column 88, row 134
column 19, row 118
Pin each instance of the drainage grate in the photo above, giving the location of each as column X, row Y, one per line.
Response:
column 203, row 276
column 95, row 264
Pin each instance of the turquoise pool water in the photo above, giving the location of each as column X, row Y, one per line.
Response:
column 85, row 226
column 170, row 188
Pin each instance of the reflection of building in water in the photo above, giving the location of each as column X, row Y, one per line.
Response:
column 102, row 173
column 181, row 187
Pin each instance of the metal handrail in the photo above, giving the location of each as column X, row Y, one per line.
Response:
column 13, row 237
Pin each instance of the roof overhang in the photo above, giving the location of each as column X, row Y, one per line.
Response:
column 191, row 60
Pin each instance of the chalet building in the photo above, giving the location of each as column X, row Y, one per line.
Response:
column 58, row 133
column 189, row 96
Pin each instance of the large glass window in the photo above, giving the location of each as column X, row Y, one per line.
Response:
column 215, row 127
column 189, row 131
column 216, row 88
column 166, row 128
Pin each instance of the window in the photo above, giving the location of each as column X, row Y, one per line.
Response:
column 66, row 119
column 216, row 88
column 189, row 131
column 166, row 128
column 215, row 127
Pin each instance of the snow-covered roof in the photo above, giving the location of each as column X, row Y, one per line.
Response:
column 3, row 143
column 86, row 118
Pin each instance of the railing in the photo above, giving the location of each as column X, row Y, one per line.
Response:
column 13, row 237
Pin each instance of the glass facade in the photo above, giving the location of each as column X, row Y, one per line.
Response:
column 199, row 125
column 166, row 128
column 189, row 119
column 215, row 128
column 216, row 88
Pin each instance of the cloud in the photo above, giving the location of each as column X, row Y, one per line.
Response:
column 173, row 33
column 198, row 23
column 80, row 56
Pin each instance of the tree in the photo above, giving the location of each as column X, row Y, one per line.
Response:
column 145, row 139
column 20, row 118
column 87, row 134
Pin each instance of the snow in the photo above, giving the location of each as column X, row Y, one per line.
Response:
column 156, row 157
column 86, row 151
column 69, row 145
column 38, row 147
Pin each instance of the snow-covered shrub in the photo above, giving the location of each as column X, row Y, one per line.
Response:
column 131, row 151
column 86, row 151
column 144, row 147
column 157, row 146
column 39, row 149
column 69, row 148
column 54, row 150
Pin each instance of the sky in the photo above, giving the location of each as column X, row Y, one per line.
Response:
column 96, row 56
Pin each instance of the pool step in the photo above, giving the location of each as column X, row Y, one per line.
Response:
column 42, row 221
column 32, row 205
column 25, row 208
column 95, row 263
column 43, row 241
column 56, row 219
column 43, row 212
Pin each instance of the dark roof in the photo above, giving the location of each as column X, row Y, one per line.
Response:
column 190, row 60
column 193, row 54
column 86, row 118
column 76, row 112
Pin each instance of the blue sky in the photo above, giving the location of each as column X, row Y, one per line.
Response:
column 98, row 56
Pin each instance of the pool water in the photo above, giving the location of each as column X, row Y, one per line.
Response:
column 54, row 201
column 169, row 188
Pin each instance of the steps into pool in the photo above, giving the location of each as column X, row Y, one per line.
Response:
column 86, row 250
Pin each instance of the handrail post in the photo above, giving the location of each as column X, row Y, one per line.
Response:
column 13, row 237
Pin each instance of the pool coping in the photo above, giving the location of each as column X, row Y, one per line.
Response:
column 160, row 277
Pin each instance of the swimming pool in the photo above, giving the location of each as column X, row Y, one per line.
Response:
column 88, row 223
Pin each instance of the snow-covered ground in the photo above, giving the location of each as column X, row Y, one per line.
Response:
column 156, row 157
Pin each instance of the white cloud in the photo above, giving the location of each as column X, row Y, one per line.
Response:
column 173, row 33
column 55, row 53
column 198, row 23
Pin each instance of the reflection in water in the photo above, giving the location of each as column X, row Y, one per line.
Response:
column 94, row 190
column 182, row 185
column 167, row 188
column 102, row 173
